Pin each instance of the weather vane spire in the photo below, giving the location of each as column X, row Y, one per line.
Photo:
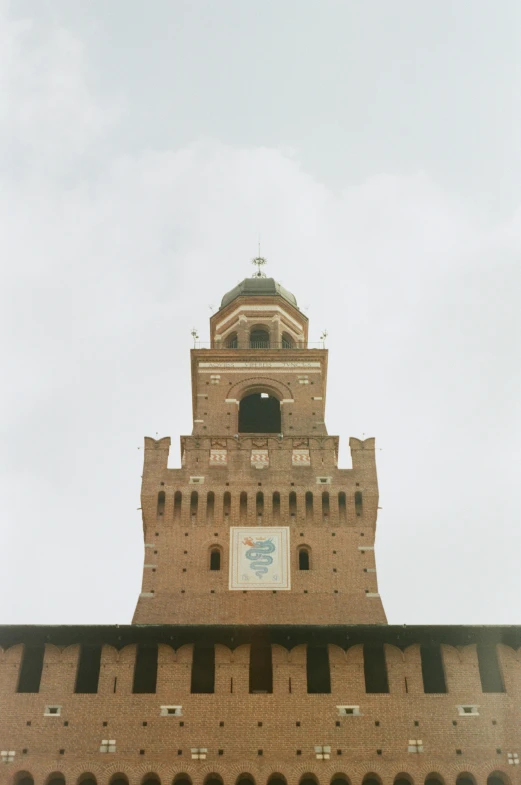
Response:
column 259, row 262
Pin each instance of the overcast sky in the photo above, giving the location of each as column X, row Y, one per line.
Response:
column 375, row 147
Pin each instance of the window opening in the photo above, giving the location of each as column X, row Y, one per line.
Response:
column 215, row 559
column 243, row 506
column 177, row 505
column 489, row 669
column 276, row 506
column 342, row 510
column 260, row 503
column 227, row 500
column 259, row 414
column 375, row 668
column 160, row 503
column 210, row 506
column 232, row 341
column 259, row 339
column 358, row 503
column 432, row 669
column 145, row 669
column 325, row 504
column 87, row 675
column 287, row 341
column 309, row 505
column 303, row 559
column 31, row 669
column 293, row 504
column 261, row 668
column 194, row 503
column 317, row 669
column 203, row 669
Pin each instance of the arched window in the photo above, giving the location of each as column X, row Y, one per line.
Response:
column 210, row 506
column 277, row 779
column 309, row 505
column 245, row 779
column 182, row 779
column 232, row 342
column 465, row 778
column 259, row 413
column 303, row 558
column 276, row 506
column 434, row 779
column 24, row 778
column 56, row 779
column 119, row 779
column 194, row 503
column 243, row 506
column 215, row 559
column 358, row 503
column 342, row 512
column 213, row 779
column 227, row 502
column 287, row 341
column 371, row 779
column 150, row 779
column 497, row 778
column 403, row 779
column 259, row 339
column 325, row 504
column 259, row 504
column 339, row 779
column 293, row 504
column 308, row 779
column 87, row 779
column 160, row 503
column 178, row 496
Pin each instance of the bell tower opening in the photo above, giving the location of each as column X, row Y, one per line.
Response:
column 259, row 413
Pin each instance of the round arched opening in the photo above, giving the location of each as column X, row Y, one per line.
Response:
column 119, row 779
column 56, row 779
column 339, row 779
column 259, row 338
column 87, row 779
column 465, row 778
column 213, row 779
column 182, row 779
column 24, row 778
column 308, row 779
column 245, row 779
column 259, row 413
column 287, row 341
column 371, row 779
column 497, row 778
column 232, row 341
column 277, row 779
column 150, row 779
column 434, row 779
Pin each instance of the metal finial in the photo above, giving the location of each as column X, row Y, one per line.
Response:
column 195, row 336
column 323, row 338
column 259, row 262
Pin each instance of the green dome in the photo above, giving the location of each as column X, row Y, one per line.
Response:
column 255, row 287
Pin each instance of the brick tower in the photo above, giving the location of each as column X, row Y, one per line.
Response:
column 259, row 463
column 259, row 652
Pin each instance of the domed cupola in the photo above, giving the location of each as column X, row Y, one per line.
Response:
column 259, row 313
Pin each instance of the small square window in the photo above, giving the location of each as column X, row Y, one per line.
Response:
column 52, row 711
column 221, row 752
column 141, row 752
column 468, row 710
column 108, row 745
column 349, row 711
column 171, row 711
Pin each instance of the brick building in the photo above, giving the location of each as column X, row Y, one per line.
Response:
column 259, row 651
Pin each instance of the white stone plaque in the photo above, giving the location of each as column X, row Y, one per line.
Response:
column 259, row 558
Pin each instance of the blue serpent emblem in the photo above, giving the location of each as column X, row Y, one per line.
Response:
column 258, row 553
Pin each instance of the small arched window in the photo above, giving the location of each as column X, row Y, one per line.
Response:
column 178, row 497
column 260, row 503
column 210, row 506
column 303, row 558
column 215, row 559
column 227, row 501
column 287, row 341
column 309, row 504
column 342, row 511
column 243, row 506
column 358, row 503
column 160, row 503
column 194, row 503
column 325, row 504
column 293, row 504
column 259, row 339
column 232, row 342
column 87, row 779
column 24, row 778
column 276, row 505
